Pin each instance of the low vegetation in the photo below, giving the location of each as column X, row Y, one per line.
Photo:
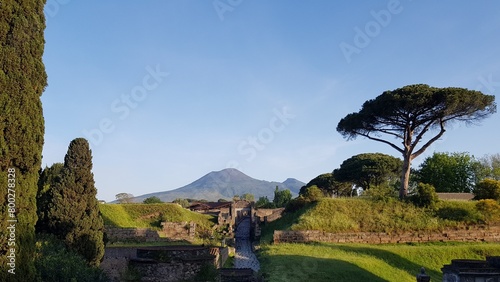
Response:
column 388, row 262
column 361, row 215
column 150, row 215
column 355, row 262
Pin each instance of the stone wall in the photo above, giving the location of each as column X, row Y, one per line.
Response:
column 476, row 234
column 172, row 231
column 115, row 234
column 168, row 263
column 268, row 215
column 179, row 231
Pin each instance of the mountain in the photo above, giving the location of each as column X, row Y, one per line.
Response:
column 225, row 184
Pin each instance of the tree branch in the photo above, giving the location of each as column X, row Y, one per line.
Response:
column 426, row 145
column 383, row 141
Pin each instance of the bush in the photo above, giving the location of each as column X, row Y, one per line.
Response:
column 152, row 200
column 297, row 204
column 383, row 193
column 487, row 189
column 313, row 193
column 426, row 196
column 490, row 209
column 460, row 212
column 54, row 262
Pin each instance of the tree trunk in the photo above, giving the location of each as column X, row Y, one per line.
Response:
column 405, row 177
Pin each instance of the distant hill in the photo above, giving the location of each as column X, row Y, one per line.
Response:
column 225, row 184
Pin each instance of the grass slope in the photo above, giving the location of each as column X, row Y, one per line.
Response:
column 362, row 215
column 150, row 215
column 355, row 262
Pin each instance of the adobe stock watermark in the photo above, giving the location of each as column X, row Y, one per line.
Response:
column 223, row 6
column 363, row 36
column 52, row 7
column 11, row 221
column 255, row 143
column 121, row 107
column 487, row 83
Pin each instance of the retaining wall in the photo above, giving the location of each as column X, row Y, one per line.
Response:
column 476, row 234
column 173, row 231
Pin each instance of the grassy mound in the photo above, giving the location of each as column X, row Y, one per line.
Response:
column 150, row 215
column 362, row 215
column 353, row 262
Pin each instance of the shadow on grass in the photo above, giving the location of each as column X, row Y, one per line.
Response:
column 392, row 259
column 283, row 223
column 291, row 268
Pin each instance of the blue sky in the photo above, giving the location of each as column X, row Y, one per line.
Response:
column 167, row 91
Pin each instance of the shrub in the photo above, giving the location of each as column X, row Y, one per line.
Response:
column 54, row 262
column 383, row 193
column 313, row 193
column 297, row 204
column 152, row 200
column 487, row 189
column 426, row 196
column 460, row 212
column 490, row 209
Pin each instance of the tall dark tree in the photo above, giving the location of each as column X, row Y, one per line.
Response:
column 408, row 113
column 49, row 177
column 22, row 81
column 73, row 212
column 370, row 169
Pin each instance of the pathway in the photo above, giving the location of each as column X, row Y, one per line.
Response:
column 244, row 256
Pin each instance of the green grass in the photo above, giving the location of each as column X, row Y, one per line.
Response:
column 356, row 262
column 362, row 215
column 150, row 215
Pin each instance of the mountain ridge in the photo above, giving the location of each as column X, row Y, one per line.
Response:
column 224, row 184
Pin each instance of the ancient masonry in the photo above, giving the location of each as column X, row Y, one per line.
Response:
column 476, row 234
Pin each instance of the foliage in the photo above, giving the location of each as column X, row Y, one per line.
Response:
column 73, row 211
column 458, row 213
column 408, row 113
column 49, row 177
column 182, row 202
column 313, row 193
column 371, row 169
column 54, row 262
column 491, row 165
column 124, row 198
column 490, row 209
column 281, row 197
column 152, row 200
column 22, row 81
column 382, row 193
column 331, row 187
column 487, row 189
column 248, row 197
column 150, row 215
column 264, row 203
column 362, row 215
column 426, row 196
column 450, row 172
column 356, row 262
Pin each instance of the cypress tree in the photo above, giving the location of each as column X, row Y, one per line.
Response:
column 22, row 81
column 72, row 209
column 49, row 177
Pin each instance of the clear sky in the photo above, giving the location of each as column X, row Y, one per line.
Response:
column 167, row 91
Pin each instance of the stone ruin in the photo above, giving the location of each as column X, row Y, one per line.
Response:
column 465, row 270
